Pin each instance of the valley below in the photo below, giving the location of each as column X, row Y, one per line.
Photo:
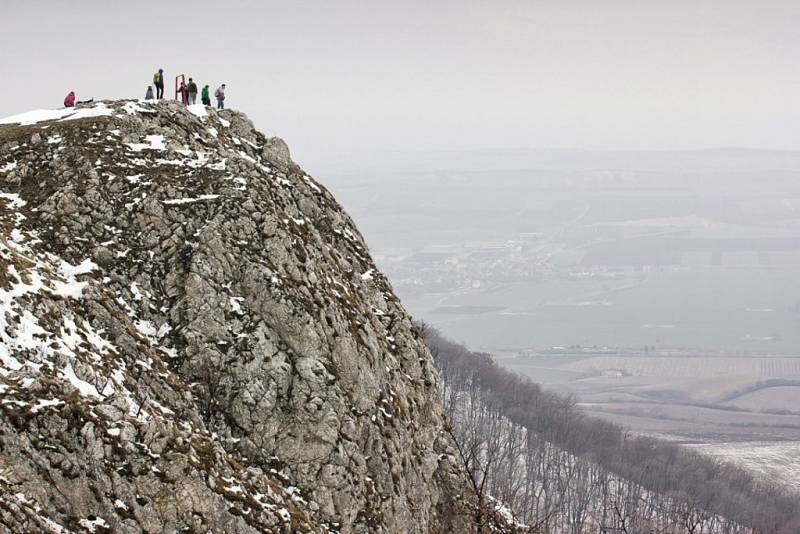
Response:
column 659, row 291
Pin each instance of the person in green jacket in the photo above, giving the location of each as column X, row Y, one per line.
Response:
column 204, row 96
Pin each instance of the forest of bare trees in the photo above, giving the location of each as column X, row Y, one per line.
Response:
column 562, row 471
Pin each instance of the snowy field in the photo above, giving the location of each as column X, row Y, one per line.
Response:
column 776, row 461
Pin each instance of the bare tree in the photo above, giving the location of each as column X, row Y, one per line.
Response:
column 563, row 471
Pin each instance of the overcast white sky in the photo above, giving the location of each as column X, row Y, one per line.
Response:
column 338, row 77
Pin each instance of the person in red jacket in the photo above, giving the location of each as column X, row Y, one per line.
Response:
column 70, row 100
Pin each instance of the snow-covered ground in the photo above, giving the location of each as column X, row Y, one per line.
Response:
column 777, row 461
column 41, row 115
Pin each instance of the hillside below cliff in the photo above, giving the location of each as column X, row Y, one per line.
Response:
column 195, row 339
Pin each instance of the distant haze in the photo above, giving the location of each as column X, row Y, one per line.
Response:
column 342, row 77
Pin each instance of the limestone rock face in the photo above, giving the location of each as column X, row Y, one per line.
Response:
column 195, row 339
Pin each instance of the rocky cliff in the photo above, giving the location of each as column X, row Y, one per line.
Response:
column 195, row 339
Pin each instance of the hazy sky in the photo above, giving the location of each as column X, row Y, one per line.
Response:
column 338, row 77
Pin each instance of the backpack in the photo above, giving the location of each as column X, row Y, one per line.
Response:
column 156, row 78
column 216, row 93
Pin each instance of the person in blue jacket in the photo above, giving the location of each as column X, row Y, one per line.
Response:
column 220, row 94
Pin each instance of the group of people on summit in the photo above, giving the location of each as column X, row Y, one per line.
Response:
column 186, row 91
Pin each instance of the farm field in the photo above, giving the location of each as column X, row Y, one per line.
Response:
column 773, row 398
column 693, row 366
column 696, row 414
column 695, row 433
column 749, row 381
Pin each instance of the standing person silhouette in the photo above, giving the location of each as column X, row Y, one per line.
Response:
column 191, row 88
column 220, row 94
column 158, row 81
column 183, row 91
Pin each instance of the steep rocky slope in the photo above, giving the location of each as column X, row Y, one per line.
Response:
column 194, row 338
